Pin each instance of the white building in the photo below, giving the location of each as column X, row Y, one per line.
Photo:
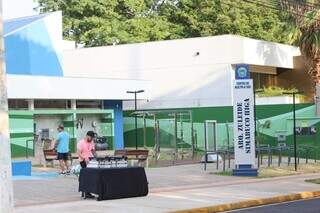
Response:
column 51, row 82
column 193, row 72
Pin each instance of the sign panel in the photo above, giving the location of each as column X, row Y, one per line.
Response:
column 312, row 130
column 243, row 115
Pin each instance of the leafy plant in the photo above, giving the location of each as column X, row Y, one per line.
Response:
column 278, row 91
column 305, row 14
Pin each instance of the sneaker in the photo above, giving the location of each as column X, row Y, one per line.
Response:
column 62, row 173
column 89, row 196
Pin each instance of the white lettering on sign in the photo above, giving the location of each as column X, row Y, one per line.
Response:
column 243, row 122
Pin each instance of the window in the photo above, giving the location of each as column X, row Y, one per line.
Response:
column 17, row 104
column 50, row 104
column 261, row 80
column 89, row 104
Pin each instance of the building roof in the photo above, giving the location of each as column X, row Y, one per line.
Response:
column 34, row 42
column 44, row 87
column 12, row 25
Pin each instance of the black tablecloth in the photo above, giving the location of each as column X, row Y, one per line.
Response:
column 114, row 183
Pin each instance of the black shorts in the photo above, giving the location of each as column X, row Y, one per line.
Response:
column 62, row 156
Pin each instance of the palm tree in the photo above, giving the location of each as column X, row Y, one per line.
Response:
column 305, row 32
column 309, row 43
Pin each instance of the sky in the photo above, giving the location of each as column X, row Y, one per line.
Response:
column 18, row 8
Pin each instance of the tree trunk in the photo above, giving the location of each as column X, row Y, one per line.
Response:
column 6, row 195
column 315, row 74
column 317, row 100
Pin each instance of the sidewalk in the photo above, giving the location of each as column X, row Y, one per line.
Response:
column 171, row 188
column 61, row 189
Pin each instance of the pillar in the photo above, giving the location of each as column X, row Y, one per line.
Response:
column 6, row 193
column 31, row 104
column 118, row 122
column 73, row 104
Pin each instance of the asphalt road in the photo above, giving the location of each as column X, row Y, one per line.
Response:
column 300, row 206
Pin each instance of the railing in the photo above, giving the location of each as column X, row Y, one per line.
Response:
column 224, row 154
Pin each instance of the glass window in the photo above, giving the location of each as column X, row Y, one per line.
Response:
column 17, row 104
column 50, row 104
column 89, row 104
column 261, row 80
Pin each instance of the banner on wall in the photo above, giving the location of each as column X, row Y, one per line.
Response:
column 312, row 130
column 243, row 115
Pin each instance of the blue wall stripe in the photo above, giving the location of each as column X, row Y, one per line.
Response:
column 118, row 122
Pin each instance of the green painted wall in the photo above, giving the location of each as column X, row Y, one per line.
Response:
column 22, row 127
column 70, row 127
column 107, row 129
column 223, row 114
column 279, row 117
column 21, row 130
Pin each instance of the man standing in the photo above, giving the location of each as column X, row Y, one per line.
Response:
column 62, row 146
column 86, row 150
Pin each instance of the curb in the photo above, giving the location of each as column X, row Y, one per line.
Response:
column 253, row 203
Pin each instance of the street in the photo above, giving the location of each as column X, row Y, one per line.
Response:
column 300, row 206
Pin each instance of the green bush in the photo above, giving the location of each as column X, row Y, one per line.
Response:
column 278, row 91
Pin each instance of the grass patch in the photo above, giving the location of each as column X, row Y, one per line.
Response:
column 269, row 172
column 274, row 171
column 316, row 181
column 38, row 165
column 266, row 172
column 223, row 173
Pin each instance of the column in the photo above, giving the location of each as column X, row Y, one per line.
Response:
column 118, row 122
column 6, row 194
column 31, row 104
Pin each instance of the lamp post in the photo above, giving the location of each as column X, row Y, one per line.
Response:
column 255, row 110
column 255, row 91
column 294, row 125
column 6, row 194
column 135, row 116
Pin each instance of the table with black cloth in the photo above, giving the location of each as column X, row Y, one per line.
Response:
column 114, row 183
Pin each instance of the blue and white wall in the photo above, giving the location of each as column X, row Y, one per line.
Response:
column 33, row 45
column 34, row 64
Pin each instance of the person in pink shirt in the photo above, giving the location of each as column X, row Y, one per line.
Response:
column 86, row 150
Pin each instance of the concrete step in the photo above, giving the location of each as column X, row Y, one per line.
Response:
column 245, row 172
